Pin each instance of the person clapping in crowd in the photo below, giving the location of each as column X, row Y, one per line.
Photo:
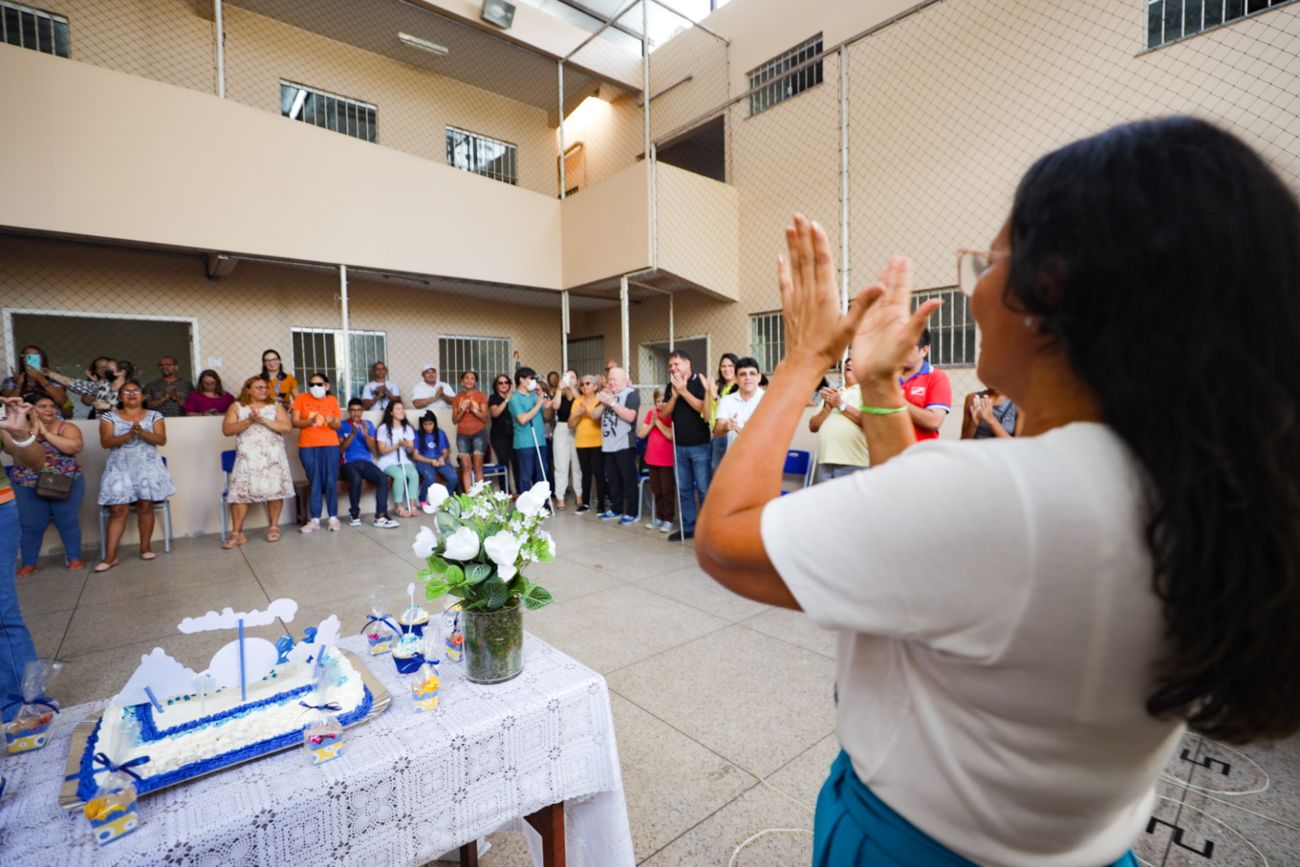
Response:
column 658, row 435
column 526, row 407
column 469, row 412
column 686, row 394
column 167, row 394
column 926, row 389
column 101, row 392
column 284, row 386
column 564, row 451
column 261, row 474
column 841, row 447
column 53, row 492
column 719, row 388
column 431, row 392
column 209, row 397
column 989, row 414
column 357, row 439
column 318, row 417
column 584, row 421
column 96, row 371
column 737, row 408
column 134, row 474
column 432, row 456
column 33, row 376
column 502, row 433
column 395, row 444
column 619, row 407
column 380, row 391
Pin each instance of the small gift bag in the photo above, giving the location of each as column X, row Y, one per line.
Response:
column 30, row 728
column 455, row 636
column 424, row 686
column 380, row 632
column 406, row 654
column 322, row 737
column 111, row 812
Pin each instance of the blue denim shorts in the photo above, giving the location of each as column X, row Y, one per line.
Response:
column 476, row 444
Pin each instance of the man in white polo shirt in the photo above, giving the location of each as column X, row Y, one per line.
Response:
column 431, row 392
column 735, row 409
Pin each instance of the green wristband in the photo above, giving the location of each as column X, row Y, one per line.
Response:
column 882, row 410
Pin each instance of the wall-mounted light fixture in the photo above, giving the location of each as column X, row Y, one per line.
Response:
column 498, row 12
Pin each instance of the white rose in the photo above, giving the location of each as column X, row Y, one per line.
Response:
column 462, row 545
column 503, row 548
column 425, row 543
column 534, row 499
column 435, row 497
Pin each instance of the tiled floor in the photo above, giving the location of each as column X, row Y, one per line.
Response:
column 722, row 706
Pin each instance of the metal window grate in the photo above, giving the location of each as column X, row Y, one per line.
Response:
column 317, row 350
column 328, row 110
column 486, row 356
column 481, row 155
column 587, row 356
column 767, row 339
column 1172, row 20
column 952, row 328
column 33, row 28
column 775, row 82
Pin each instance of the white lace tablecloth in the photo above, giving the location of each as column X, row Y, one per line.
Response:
column 409, row 786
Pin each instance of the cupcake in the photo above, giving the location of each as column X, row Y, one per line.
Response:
column 406, row 654
column 413, row 620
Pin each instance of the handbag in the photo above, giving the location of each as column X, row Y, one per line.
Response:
column 53, row 485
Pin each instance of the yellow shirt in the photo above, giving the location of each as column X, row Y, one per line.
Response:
column 840, row 441
column 587, row 433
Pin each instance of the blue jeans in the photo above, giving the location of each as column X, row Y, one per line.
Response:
column 718, row 450
column 321, row 464
column 531, row 470
column 446, row 474
column 693, row 474
column 35, row 513
column 16, row 648
column 357, row 471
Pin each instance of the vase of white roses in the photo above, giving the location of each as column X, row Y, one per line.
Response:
column 478, row 554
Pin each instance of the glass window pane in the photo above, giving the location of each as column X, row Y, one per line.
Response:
column 1173, row 20
column 309, row 109
column 1256, row 5
column 1234, row 9
column 1213, row 12
column 29, row 30
column 62, row 44
column 1192, row 11
column 45, row 35
column 1155, row 23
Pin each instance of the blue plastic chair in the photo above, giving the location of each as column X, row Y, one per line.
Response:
column 798, row 463
column 165, row 507
column 497, row 471
column 227, row 465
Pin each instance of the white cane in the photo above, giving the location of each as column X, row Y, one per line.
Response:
column 538, row 446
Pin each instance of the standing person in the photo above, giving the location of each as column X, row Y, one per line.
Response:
column 284, row 387
column 134, row 474
column 736, row 409
column 395, row 443
column 209, row 396
column 841, row 447
column 101, row 392
column 96, row 372
column 502, row 433
column 927, row 390
column 261, row 472
column 685, row 405
column 17, row 438
column 658, row 434
column 584, row 422
column 61, row 443
column 551, row 393
column 431, row 392
column 724, row 385
column 33, row 376
column 526, row 407
column 469, row 412
column 357, row 439
column 167, row 393
column 380, row 391
column 989, row 414
column 565, row 451
column 620, row 405
column 432, row 456
column 318, row 418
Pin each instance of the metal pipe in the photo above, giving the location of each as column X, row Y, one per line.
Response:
column 654, row 209
column 345, row 362
column 844, row 180
column 564, row 326
column 608, row 23
column 695, row 24
column 559, row 67
column 221, row 49
column 671, row 323
column 623, row 324
column 645, row 76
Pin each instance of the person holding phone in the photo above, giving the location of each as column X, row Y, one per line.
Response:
column 103, row 391
column 565, row 448
column 135, row 474
column 32, row 376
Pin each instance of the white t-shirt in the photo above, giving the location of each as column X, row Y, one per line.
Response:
column 734, row 407
column 423, row 390
column 997, row 631
column 388, row 438
column 368, row 393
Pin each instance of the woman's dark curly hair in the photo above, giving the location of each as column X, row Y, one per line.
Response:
column 1163, row 257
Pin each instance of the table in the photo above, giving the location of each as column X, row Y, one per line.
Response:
column 409, row 787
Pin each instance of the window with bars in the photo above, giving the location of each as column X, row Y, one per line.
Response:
column 328, row 110
column 319, row 350
column 486, row 356
column 587, row 355
column 767, row 339
column 774, row 81
column 489, row 157
column 33, row 28
column 952, row 328
column 1171, row 20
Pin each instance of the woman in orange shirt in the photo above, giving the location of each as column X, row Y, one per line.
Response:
column 318, row 417
column 586, row 438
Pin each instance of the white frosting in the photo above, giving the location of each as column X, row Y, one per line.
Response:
column 119, row 733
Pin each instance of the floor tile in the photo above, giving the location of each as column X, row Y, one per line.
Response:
column 508, row 850
column 48, row 631
column 1263, row 778
column 50, row 591
column 671, row 782
column 692, row 586
column 379, row 572
column 795, row 627
column 802, row 777
column 713, row 841
column 314, row 549
column 716, row 688
column 568, row 580
column 633, row 558
column 133, row 578
column 1218, row 834
column 617, row 627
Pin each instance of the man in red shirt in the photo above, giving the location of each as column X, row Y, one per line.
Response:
column 927, row 391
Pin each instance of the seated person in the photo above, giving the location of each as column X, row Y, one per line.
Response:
column 357, row 440
column 433, row 456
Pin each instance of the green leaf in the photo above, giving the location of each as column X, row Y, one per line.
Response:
column 451, row 506
column 477, row 572
column 461, row 591
column 493, row 592
column 447, row 523
column 437, row 564
column 424, row 574
column 435, row 588
column 537, row 597
column 455, row 575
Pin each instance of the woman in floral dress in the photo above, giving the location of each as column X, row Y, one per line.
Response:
column 261, row 471
column 135, row 473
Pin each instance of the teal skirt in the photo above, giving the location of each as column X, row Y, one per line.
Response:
column 852, row 826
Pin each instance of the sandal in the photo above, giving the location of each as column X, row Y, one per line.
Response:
column 148, row 555
column 76, row 565
column 104, row 565
column 26, row 570
column 232, row 541
column 273, row 534
column 243, row 540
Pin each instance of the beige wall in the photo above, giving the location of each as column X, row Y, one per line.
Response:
column 698, row 234
column 607, row 228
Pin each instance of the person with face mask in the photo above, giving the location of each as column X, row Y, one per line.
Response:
column 317, row 416
column 525, row 409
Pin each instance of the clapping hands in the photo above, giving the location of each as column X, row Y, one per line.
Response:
column 17, row 416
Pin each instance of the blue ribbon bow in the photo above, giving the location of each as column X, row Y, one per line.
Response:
column 15, row 700
column 371, row 618
column 331, row 706
column 107, row 763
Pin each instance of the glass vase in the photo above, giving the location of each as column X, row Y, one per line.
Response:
column 494, row 643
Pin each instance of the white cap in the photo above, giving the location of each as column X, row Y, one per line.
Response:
column 428, row 365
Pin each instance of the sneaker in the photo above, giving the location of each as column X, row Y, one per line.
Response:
column 355, row 521
column 333, row 524
column 608, row 516
column 666, row 526
column 386, row 523
column 678, row 535
column 626, row 519
column 311, row 526
column 582, row 508
column 652, row 524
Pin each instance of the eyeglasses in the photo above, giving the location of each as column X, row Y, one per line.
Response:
column 972, row 265
column 131, row 391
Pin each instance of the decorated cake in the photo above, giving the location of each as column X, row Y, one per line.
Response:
column 169, row 724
